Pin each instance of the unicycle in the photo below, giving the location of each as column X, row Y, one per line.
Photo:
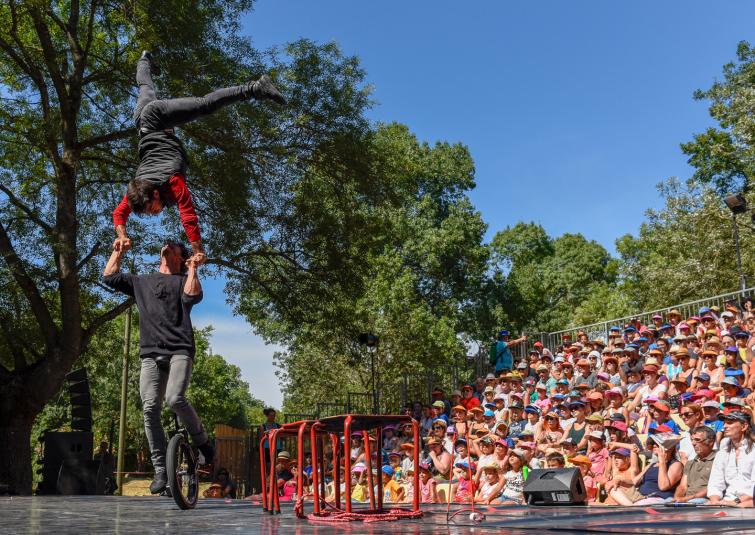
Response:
column 181, row 464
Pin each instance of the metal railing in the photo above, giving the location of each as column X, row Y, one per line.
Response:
column 691, row 308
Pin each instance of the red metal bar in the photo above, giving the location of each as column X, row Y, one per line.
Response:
column 415, row 428
column 315, row 475
column 379, row 447
column 322, row 466
column 262, row 470
column 273, row 476
column 368, row 464
column 347, row 456
column 336, row 445
column 300, row 461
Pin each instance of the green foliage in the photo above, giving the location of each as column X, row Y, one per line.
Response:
column 545, row 280
column 724, row 157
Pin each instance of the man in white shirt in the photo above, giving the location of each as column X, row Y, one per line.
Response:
column 733, row 475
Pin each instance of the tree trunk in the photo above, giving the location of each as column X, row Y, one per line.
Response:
column 15, row 454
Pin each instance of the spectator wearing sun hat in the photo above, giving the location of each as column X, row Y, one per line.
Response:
column 597, row 452
column 468, row 400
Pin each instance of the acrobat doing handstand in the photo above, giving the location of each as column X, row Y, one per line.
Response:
column 160, row 178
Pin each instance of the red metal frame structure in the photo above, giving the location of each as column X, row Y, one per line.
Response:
column 336, row 427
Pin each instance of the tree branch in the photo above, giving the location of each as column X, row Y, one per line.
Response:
column 15, row 201
column 106, row 138
column 105, row 317
column 89, row 256
column 29, row 288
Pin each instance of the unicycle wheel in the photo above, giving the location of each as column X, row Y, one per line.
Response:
column 182, row 473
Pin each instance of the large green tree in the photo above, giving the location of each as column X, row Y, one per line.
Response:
column 67, row 147
column 724, row 157
column 421, row 271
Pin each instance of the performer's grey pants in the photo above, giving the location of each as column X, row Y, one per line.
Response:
column 155, row 384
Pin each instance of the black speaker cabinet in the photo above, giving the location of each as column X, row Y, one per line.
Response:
column 60, row 447
column 562, row 486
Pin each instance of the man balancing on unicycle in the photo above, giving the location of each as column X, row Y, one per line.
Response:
column 166, row 345
column 160, row 178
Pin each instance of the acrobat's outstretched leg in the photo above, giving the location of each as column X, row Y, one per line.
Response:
column 155, row 114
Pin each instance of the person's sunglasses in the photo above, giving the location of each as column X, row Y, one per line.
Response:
column 438, row 427
column 685, row 414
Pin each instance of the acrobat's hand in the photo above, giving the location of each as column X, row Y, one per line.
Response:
column 198, row 259
column 122, row 244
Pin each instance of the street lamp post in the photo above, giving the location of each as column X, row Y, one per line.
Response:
column 738, row 205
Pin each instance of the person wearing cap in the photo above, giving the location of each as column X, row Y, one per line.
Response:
column 441, row 459
column 651, row 387
column 584, row 465
column 549, row 431
column 517, row 422
column 393, row 492
column 428, row 487
column 577, row 428
column 711, row 409
column 619, row 475
column 584, row 374
column 283, row 471
column 732, row 477
column 504, row 359
column 463, row 486
column 615, row 398
column 597, row 452
column 660, row 414
column 513, row 476
column 469, row 400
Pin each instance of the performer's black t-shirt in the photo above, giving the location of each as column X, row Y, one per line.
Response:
column 164, row 311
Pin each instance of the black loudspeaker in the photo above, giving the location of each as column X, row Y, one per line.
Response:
column 60, row 448
column 81, row 400
column 563, row 486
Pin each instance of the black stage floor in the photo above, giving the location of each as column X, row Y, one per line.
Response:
column 137, row 516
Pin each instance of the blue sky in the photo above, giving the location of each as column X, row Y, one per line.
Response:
column 573, row 111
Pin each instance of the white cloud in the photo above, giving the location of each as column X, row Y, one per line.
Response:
column 232, row 337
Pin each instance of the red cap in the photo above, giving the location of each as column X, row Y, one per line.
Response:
column 661, row 429
column 621, row 426
column 538, row 344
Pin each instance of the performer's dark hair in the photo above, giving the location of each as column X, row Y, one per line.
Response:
column 139, row 194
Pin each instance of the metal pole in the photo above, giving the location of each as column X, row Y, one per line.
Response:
column 124, row 401
column 742, row 282
column 374, row 385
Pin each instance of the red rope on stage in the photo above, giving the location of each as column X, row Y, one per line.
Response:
column 368, row 516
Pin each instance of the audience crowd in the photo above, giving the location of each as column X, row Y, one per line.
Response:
column 654, row 413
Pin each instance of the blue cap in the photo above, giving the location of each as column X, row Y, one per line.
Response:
column 558, row 396
column 532, row 409
column 641, row 339
column 730, row 381
column 630, row 330
column 574, row 404
column 388, row 470
column 741, row 334
column 666, row 326
column 489, row 406
column 653, row 346
column 631, row 346
column 488, row 413
column 687, row 396
column 503, row 333
column 509, row 442
column 703, row 376
column 733, row 372
column 562, row 382
column 615, row 328
column 575, row 394
column 703, row 310
column 731, row 349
